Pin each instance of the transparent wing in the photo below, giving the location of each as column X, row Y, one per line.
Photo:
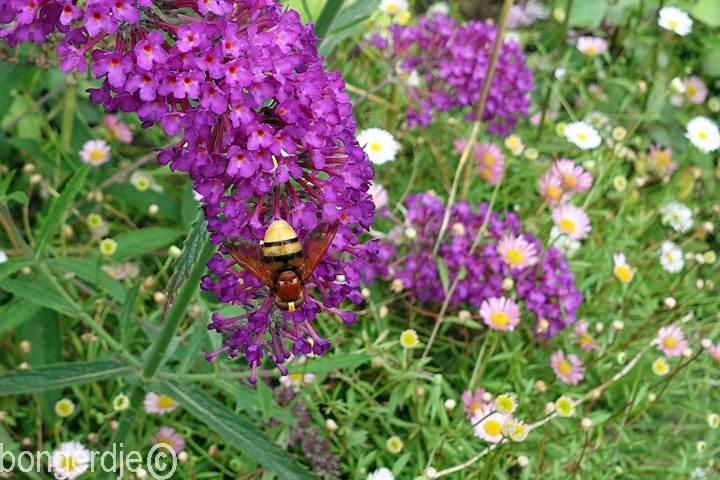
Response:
column 316, row 244
column 249, row 256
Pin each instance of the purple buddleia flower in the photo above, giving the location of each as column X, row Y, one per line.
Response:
column 545, row 288
column 452, row 59
column 267, row 134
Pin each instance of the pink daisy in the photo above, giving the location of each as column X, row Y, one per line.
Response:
column 488, row 154
column 671, row 340
column 379, row 195
column 297, row 380
column 568, row 370
column 715, row 352
column 500, row 313
column 170, row 437
column 572, row 221
column 95, row 152
column 551, row 189
column 516, row 252
column 661, row 159
column 573, row 177
column 592, row 46
column 695, row 89
column 473, row 403
column 118, row 130
column 582, row 337
column 160, row 404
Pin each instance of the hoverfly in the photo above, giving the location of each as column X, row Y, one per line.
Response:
column 283, row 263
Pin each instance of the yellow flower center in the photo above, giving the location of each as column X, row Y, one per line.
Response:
column 69, row 463
column 591, row 51
column 662, row 158
column 565, row 367
column 569, row 179
column 500, row 319
column 669, row 342
column 475, row 406
column 514, row 256
column 392, row 9
column 582, row 136
column 504, row 404
column 702, row 136
column 485, row 174
column 567, row 225
column 691, row 90
column 96, row 155
column 553, row 192
column 64, row 408
column 585, row 340
column 375, row 146
column 165, row 402
column 623, row 273
column 488, row 159
column 296, row 377
column 408, row 340
column 669, row 257
column 493, row 428
column 673, row 24
column 166, row 441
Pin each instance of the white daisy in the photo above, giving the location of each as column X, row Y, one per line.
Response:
column 438, row 7
column 678, row 216
column 704, row 134
column 597, row 119
column 675, row 20
column 671, row 258
column 3, row 257
column 382, row 474
column 393, row 7
column 70, row 460
column 379, row 145
column 582, row 135
column 489, row 424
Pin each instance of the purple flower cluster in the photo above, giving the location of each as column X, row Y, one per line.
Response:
column 267, row 134
column 547, row 289
column 452, row 59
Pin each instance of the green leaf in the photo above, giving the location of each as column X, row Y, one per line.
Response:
column 248, row 398
column 587, row 13
column 5, row 183
column 15, row 313
column 327, row 17
column 189, row 208
column 348, row 22
column 708, row 12
column 90, row 271
column 17, row 197
column 61, row 375
column 12, row 266
column 125, row 192
column 264, row 398
column 59, row 208
column 186, row 261
column 327, row 363
column 143, row 241
column 444, row 274
column 234, row 429
column 38, row 292
column 126, row 313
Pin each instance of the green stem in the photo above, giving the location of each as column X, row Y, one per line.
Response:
column 68, row 114
column 482, row 358
column 177, row 313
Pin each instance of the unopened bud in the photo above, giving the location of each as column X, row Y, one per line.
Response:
column 68, row 231
column 622, row 358
column 25, row 346
column 586, row 424
column 710, row 257
column 686, row 352
column 487, row 397
column 153, row 209
column 549, row 408
column 213, row 450
column 410, row 233
column 92, row 437
column 23, row 366
column 431, row 473
column 365, row 292
column 26, row 270
column 464, row 316
column 701, row 446
column 35, row 178
column 508, row 284
column 113, row 425
column 543, row 325
column 595, row 393
column 420, row 392
column 670, row 302
column 540, row 387
column 523, row 461
column 700, row 258
column 98, row 197
column 599, row 327
column 159, row 297
column 706, row 343
column 183, row 457
column 699, row 284
column 458, row 229
column 174, row 251
column 383, row 311
column 677, row 86
column 397, row 285
column 28, row 167
column 331, row 425
column 141, row 474
column 618, row 325
column 450, row 404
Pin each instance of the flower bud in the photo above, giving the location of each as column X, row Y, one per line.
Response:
column 531, row 154
column 113, row 425
column 620, row 183
column 458, row 229
column 622, row 358
column 23, row 366
column 431, row 473
column 540, row 387
column 183, row 457
column 28, row 167
column 35, row 179
column 174, row 251
column 523, row 461
column 383, row 311
column 153, row 209
column 508, row 284
column 618, row 325
column 686, row 352
column 543, row 325
column 595, row 393
column 464, row 316
column 713, row 420
column 549, row 408
column 714, row 104
column 26, row 442
column 331, row 425
column 677, row 86
column 394, row 444
column 560, row 129
column 25, row 346
column 159, row 297
column 411, row 233
column 586, row 424
column 365, row 292
column 701, row 446
column 670, row 302
column 141, row 474
column 706, row 343
column 92, row 437
column 652, row 397
column 214, row 450
column 710, row 257
column 450, row 404
column 420, row 392
column 619, row 133
column 699, row 284
column 397, row 285
column 599, row 327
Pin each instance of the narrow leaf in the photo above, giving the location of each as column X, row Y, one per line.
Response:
column 60, row 376
column 234, row 429
column 15, row 313
column 126, row 313
column 143, row 241
column 327, row 363
column 59, row 208
column 91, row 272
column 12, row 266
column 248, row 399
column 326, row 17
column 38, row 292
column 444, row 274
column 191, row 250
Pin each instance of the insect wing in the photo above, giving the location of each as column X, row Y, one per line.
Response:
column 316, row 245
column 249, row 256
